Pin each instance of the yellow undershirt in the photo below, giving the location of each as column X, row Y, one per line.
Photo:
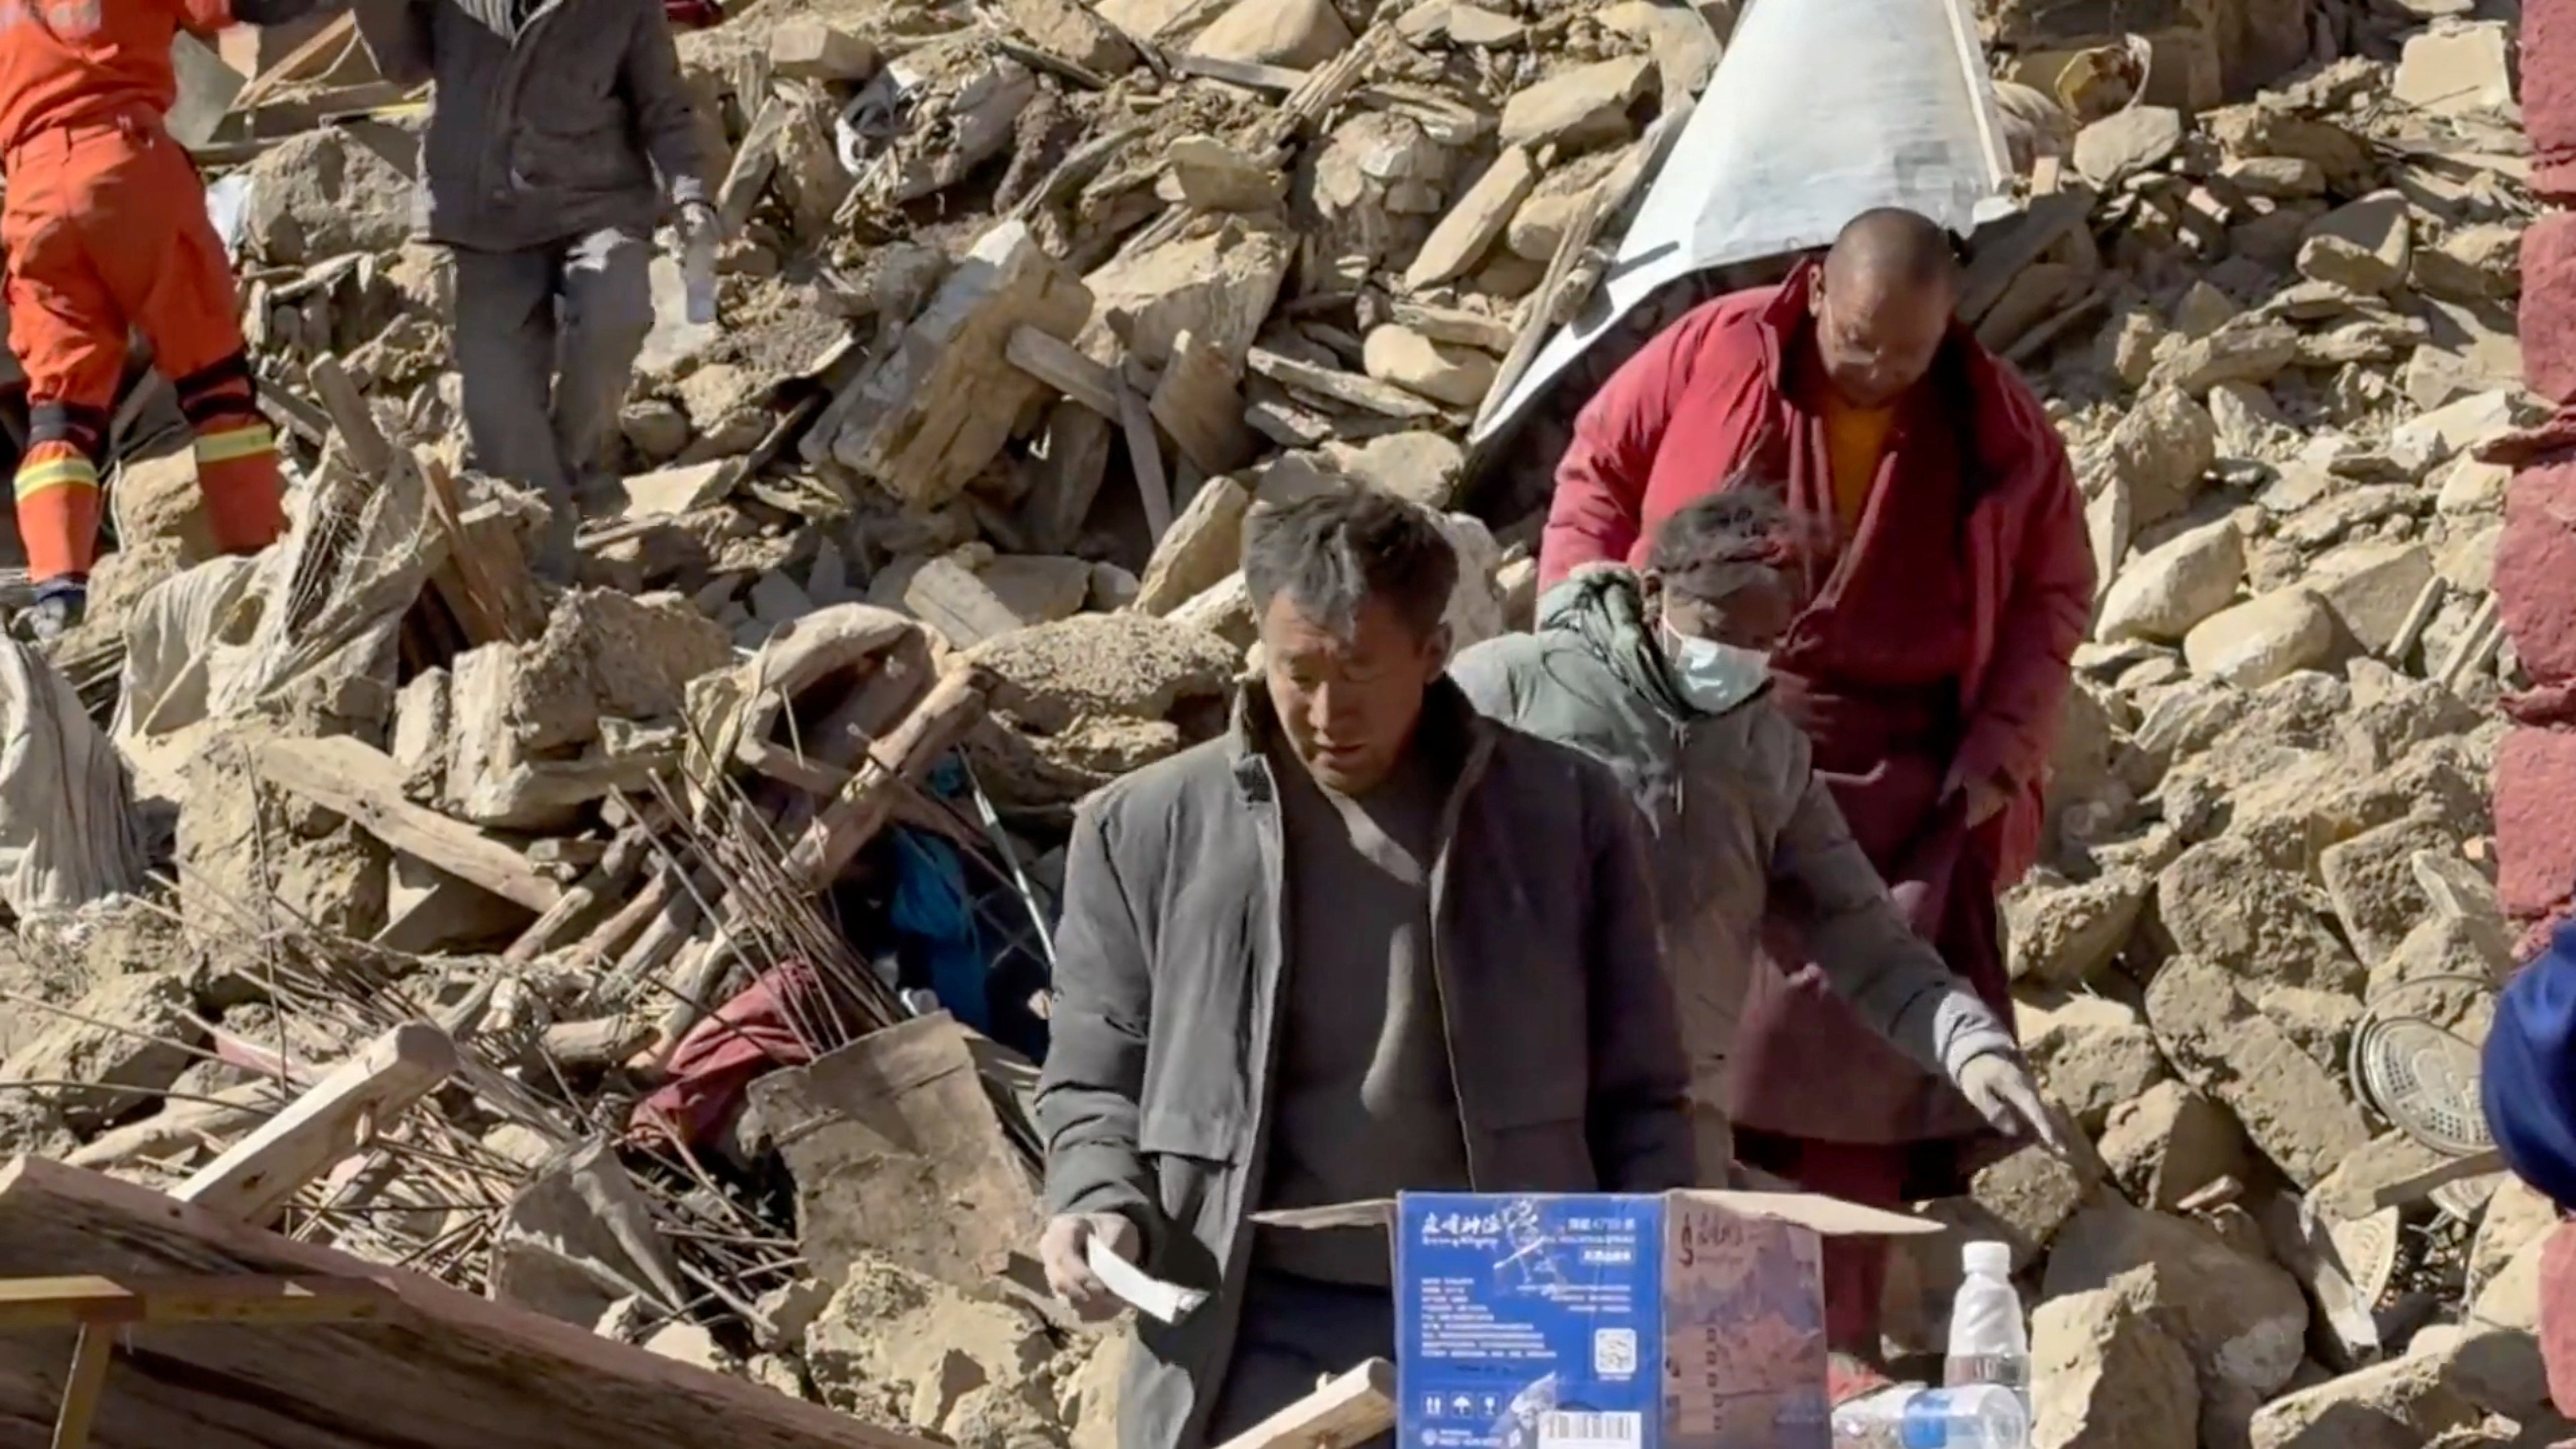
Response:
column 1855, row 442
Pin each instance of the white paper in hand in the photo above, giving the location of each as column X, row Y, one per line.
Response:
column 1169, row 1302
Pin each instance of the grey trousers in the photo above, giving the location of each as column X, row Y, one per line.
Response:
column 546, row 342
column 1293, row 1332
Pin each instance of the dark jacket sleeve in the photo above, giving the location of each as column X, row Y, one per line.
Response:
column 263, row 12
column 398, row 38
column 666, row 114
column 1637, row 1115
column 1089, row 1094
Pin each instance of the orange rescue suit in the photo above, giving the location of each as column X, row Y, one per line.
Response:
column 105, row 227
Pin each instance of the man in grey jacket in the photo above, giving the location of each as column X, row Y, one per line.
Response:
column 1662, row 678
column 1367, row 942
column 559, row 131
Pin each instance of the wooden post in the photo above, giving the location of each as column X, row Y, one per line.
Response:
column 82, row 1389
column 257, row 1176
column 890, row 766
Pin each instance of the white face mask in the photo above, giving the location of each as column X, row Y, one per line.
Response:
column 1715, row 677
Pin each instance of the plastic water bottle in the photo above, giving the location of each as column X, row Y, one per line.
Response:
column 1911, row 1416
column 698, row 275
column 1989, row 1340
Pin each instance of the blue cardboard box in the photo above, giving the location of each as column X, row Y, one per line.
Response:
column 1685, row 1320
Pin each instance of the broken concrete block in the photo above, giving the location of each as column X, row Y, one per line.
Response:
column 2397, row 1405
column 137, row 1041
column 2170, row 1142
column 2372, row 880
column 2105, row 1375
column 947, row 596
column 1039, row 588
column 1585, row 106
column 2367, row 245
column 2222, row 902
column 1203, row 545
column 1218, row 287
column 1423, row 467
column 941, row 403
column 2118, row 146
column 2254, row 643
column 2161, row 448
column 2094, row 1068
column 2291, row 1108
column 2249, row 349
column 2171, row 588
column 682, row 489
column 2371, row 587
column 1463, row 236
column 2243, row 1321
column 2063, row 934
column 1297, row 34
column 809, row 49
column 1069, row 29
column 1442, row 372
column 2458, row 70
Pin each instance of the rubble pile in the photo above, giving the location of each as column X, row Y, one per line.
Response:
column 1027, row 305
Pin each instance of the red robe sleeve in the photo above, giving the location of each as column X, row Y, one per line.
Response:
column 2048, row 603
column 1601, row 482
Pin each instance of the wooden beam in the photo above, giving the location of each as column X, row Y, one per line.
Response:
column 299, row 64
column 891, row 766
column 260, row 1174
column 1061, row 366
column 1240, row 72
column 352, row 779
column 1351, row 1409
column 82, row 1388
column 1349, row 388
column 115, row 1302
column 1145, row 453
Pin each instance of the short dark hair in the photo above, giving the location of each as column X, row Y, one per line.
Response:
column 1706, row 543
column 1331, row 551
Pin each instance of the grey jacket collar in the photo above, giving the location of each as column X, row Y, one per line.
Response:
column 1450, row 724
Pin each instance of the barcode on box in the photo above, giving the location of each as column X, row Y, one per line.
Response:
column 1591, row 1431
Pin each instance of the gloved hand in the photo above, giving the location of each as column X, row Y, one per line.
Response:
column 2000, row 1088
column 698, row 223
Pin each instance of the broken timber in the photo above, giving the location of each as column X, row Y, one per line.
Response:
column 255, row 1178
column 351, row 1353
column 1352, row 1408
column 891, row 767
column 349, row 778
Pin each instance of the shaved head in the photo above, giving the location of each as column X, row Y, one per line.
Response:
column 1883, row 304
column 1896, row 246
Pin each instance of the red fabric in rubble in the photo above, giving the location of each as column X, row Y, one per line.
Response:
column 749, row 1037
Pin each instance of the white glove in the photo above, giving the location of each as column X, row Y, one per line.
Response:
column 2001, row 1090
column 698, row 224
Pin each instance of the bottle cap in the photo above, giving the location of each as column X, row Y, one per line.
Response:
column 1992, row 1259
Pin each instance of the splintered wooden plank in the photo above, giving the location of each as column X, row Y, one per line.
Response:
column 1350, row 1409
column 348, row 777
column 258, row 1175
column 439, row 1369
column 1351, row 388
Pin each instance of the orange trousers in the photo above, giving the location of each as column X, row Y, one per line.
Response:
column 105, row 228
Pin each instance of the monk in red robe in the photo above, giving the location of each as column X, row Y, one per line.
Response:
column 1928, row 663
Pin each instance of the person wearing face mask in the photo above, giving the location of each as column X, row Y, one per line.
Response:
column 1937, row 618
column 1664, row 674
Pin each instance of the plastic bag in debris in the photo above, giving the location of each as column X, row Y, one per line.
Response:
column 68, row 833
column 228, row 206
column 216, row 640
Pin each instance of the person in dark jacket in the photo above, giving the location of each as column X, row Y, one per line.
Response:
column 559, row 134
column 1368, row 941
column 1663, row 675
